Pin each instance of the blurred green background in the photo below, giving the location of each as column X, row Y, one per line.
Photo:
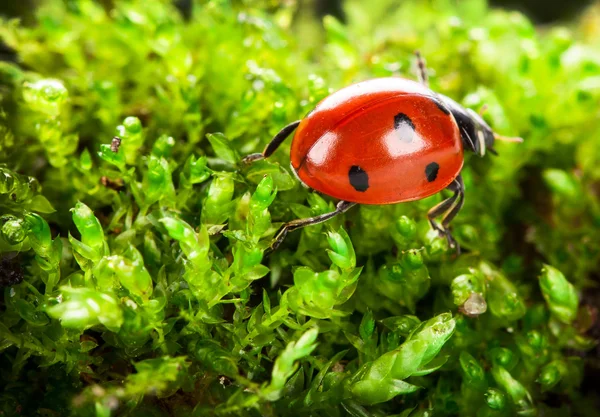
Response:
column 541, row 11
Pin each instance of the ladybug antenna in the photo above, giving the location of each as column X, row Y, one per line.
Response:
column 483, row 109
column 507, row 138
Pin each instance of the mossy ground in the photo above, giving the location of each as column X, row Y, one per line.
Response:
column 135, row 282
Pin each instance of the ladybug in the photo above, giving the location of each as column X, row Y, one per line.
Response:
column 385, row 141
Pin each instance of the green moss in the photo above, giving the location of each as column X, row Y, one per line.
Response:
column 135, row 273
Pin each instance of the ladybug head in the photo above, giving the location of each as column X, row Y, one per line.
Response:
column 476, row 134
column 482, row 136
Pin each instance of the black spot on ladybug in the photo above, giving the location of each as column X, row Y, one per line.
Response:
column 358, row 178
column 401, row 120
column 441, row 106
column 431, row 171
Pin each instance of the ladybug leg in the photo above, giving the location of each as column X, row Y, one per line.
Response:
column 421, row 69
column 340, row 208
column 450, row 215
column 274, row 144
column 440, row 209
column 437, row 211
column 449, row 208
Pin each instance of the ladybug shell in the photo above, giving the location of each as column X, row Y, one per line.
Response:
column 381, row 141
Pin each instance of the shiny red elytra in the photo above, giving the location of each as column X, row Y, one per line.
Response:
column 384, row 141
column 381, row 141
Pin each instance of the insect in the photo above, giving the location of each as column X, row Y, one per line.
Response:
column 385, row 141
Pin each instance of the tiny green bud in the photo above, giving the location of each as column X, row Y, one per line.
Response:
column 406, row 227
column 222, row 147
column 7, row 181
column 13, row 229
column 407, row 280
column 45, row 96
column 367, row 326
column 196, row 171
column 535, row 339
column 501, row 357
column 413, row 259
column 219, row 197
column 495, row 399
column 259, row 218
column 24, row 188
column 132, row 125
column 383, row 378
column 250, row 256
column 39, row 233
column 317, row 203
column 549, row 376
column 517, row 392
column 328, row 279
column 264, row 188
column 84, row 307
column 503, row 299
column 89, row 226
column 85, row 160
column 34, row 185
column 286, row 363
column 342, row 253
column 193, row 245
column 473, row 373
column 533, row 345
column 393, row 274
column 264, row 194
column 336, row 241
column 157, row 183
column 163, row 146
column 435, row 332
column 131, row 274
column 559, row 293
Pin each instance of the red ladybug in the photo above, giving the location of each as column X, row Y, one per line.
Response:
column 384, row 141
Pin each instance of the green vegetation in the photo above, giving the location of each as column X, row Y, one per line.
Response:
column 136, row 282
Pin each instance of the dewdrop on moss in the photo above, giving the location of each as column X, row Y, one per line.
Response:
column 475, row 305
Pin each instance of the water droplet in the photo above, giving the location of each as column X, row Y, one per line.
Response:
column 475, row 305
